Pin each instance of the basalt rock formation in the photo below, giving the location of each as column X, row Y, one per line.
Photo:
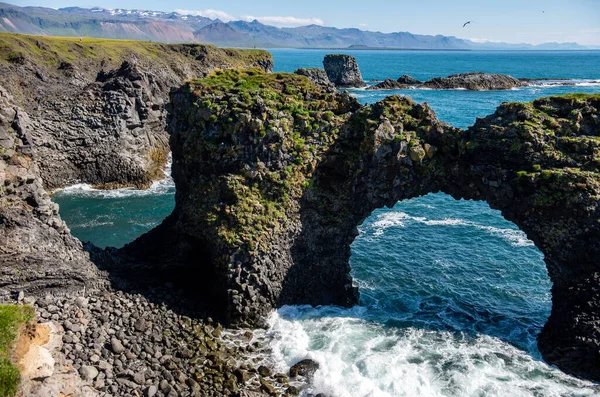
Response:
column 81, row 112
column 475, row 81
column 388, row 84
column 318, row 77
column 343, row 71
column 96, row 107
column 273, row 176
column 37, row 252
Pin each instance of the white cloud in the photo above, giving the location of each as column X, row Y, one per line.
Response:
column 208, row 13
column 268, row 20
column 362, row 25
column 285, row 21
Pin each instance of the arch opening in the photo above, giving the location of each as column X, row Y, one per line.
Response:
column 438, row 263
column 452, row 299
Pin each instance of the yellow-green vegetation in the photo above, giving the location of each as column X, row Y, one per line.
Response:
column 295, row 124
column 580, row 96
column 52, row 51
column 158, row 157
column 13, row 319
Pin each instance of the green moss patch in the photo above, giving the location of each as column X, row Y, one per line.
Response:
column 13, row 319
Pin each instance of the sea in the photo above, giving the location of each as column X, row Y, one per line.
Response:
column 452, row 295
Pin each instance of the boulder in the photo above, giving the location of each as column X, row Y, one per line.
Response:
column 343, row 71
column 306, row 368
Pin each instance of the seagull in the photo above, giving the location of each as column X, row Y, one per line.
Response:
column 466, row 23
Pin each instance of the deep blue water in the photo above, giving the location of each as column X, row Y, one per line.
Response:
column 452, row 295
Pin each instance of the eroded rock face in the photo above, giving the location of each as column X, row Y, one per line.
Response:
column 37, row 252
column 318, row 77
column 343, row 71
column 475, row 81
column 273, row 177
column 100, row 119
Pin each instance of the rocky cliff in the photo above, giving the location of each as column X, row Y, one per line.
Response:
column 274, row 174
column 96, row 107
column 37, row 252
column 75, row 111
column 343, row 71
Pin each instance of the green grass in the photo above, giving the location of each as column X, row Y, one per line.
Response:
column 254, row 80
column 51, row 50
column 12, row 320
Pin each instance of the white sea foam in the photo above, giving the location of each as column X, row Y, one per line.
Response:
column 359, row 358
column 390, row 219
column 162, row 186
column 567, row 83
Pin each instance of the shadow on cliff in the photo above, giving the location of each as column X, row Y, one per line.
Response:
column 166, row 268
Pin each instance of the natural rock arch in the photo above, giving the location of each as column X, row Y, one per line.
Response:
column 273, row 176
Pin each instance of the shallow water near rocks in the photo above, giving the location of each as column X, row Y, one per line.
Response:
column 452, row 295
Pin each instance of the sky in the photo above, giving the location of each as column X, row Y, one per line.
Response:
column 512, row 21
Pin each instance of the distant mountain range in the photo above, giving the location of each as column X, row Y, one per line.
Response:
column 172, row 27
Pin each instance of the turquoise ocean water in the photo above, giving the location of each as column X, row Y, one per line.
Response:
column 452, row 295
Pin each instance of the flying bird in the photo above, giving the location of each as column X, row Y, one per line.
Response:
column 466, row 23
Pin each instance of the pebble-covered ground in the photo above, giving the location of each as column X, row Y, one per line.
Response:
column 124, row 344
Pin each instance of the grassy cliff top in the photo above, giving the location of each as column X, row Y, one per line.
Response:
column 253, row 80
column 18, row 48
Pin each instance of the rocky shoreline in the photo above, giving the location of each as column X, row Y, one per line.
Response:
column 268, row 167
column 153, row 343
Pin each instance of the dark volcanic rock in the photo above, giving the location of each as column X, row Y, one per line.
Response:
column 318, row 77
column 96, row 119
column 388, row 84
column 37, row 252
column 475, row 81
column 305, row 368
column 273, row 181
column 101, row 119
column 406, row 79
column 343, row 71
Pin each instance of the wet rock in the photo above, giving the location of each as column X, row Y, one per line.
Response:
column 264, row 371
column 528, row 159
column 388, row 84
column 306, row 368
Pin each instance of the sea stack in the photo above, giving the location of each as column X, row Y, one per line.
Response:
column 343, row 71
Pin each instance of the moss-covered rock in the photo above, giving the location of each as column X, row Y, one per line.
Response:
column 273, row 176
